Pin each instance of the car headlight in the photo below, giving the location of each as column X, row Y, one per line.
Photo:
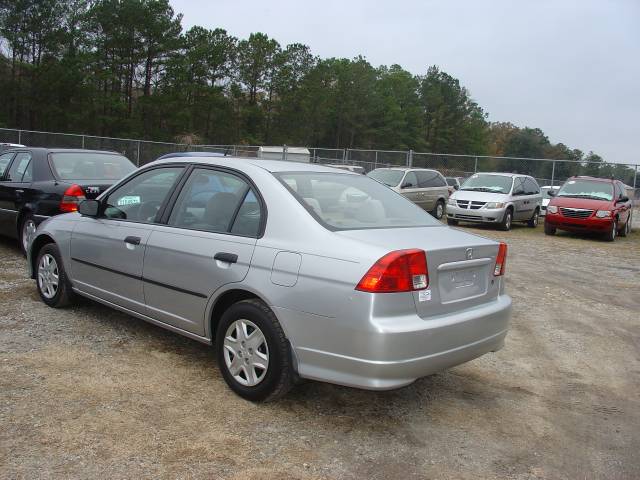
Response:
column 451, row 201
column 552, row 209
column 494, row 205
column 603, row 213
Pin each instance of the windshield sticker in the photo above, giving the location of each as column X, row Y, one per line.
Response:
column 424, row 295
column 129, row 200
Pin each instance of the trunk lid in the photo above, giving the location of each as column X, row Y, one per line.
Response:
column 460, row 265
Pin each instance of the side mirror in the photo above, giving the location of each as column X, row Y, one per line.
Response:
column 456, row 187
column 89, row 208
column 551, row 193
column 623, row 200
column 407, row 185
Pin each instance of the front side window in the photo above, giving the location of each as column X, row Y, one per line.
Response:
column 140, row 199
column 90, row 166
column 215, row 201
column 387, row 176
column 592, row 189
column 20, row 168
column 410, row 180
column 349, row 202
column 482, row 182
column 4, row 162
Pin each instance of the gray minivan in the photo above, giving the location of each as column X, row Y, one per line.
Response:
column 498, row 198
column 426, row 188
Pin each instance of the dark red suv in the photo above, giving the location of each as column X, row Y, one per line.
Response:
column 589, row 204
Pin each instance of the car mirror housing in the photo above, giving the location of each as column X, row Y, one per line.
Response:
column 407, row 185
column 551, row 193
column 89, row 208
column 456, row 187
column 623, row 200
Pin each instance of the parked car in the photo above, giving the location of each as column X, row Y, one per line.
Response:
column 426, row 188
column 283, row 271
column 588, row 204
column 349, row 168
column 545, row 198
column 454, row 183
column 7, row 146
column 36, row 183
column 496, row 198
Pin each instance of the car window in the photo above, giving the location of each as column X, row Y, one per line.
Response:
column 20, row 166
column 452, row 181
column 410, row 180
column 4, row 162
column 429, row 178
column 348, row 202
column 484, row 182
column 621, row 191
column 90, row 166
column 389, row 177
column 209, row 201
column 139, row 199
column 518, row 186
column 531, row 187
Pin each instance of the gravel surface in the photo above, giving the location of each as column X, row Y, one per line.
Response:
column 88, row 392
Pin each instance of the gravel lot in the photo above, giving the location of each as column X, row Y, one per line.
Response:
column 89, row 392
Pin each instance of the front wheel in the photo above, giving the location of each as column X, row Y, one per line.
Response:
column 627, row 228
column 548, row 229
column 253, row 353
column 53, row 286
column 613, row 231
column 506, row 221
column 438, row 212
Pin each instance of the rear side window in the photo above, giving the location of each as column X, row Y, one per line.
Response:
column 4, row 162
column 215, row 201
column 20, row 170
column 90, row 166
column 531, row 187
column 428, row 178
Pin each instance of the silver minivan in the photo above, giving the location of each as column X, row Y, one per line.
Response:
column 426, row 188
column 498, row 198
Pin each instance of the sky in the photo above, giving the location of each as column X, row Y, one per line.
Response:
column 568, row 67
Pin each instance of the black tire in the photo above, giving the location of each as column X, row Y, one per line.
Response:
column 63, row 295
column 627, row 228
column 451, row 221
column 439, row 210
column 25, row 229
column 279, row 376
column 533, row 221
column 507, row 220
column 613, row 231
column 548, row 229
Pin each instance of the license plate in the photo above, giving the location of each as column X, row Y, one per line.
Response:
column 464, row 278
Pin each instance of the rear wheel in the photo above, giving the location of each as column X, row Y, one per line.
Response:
column 438, row 212
column 613, row 231
column 26, row 232
column 451, row 221
column 506, row 220
column 53, row 286
column 548, row 229
column 627, row 228
column 533, row 221
column 253, row 352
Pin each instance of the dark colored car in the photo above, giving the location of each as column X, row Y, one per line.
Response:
column 589, row 204
column 36, row 183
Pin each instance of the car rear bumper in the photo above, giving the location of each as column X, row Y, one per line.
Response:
column 481, row 215
column 400, row 352
column 591, row 224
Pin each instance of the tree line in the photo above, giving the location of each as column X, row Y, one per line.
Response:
column 127, row 68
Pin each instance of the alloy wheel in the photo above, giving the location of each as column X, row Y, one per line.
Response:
column 28, row 231
column 246, row 353
column 439, row 210
column 48, row 276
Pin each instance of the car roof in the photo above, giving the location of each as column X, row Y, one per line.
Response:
column 504, row 174
column 407, row 169
column 273, row 166
column 191, row 154
column 597, row 179
column 63, row 150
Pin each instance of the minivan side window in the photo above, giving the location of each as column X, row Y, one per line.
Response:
column 215, row 201
column 518, row 186
column 21, row 167
column 427, row 178
column 140, row 199
column 411, row 178
column 531, row 187
column 4, row 162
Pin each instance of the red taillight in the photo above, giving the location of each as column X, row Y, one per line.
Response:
column 71, row 198
column 399, row 271
column 501, row 260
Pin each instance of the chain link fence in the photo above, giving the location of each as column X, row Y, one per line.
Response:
column 546, row 171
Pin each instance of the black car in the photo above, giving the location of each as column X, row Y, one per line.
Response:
column 36, row 183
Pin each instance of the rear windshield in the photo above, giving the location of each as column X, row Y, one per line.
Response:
column 90, row 166
column 488, row 183
column 587, row 189
column 351, row 202
column 452, row 181
column 388, row 177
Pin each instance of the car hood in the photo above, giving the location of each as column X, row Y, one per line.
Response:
column 480, row 196
column 585, row 203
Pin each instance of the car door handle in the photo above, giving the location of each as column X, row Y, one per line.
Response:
column 132, row 240
column 19, row 190
column 226, row 257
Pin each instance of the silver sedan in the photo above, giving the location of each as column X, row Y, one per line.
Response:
column 290, row 270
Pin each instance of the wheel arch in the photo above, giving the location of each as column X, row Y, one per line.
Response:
column 38, row 242
column 223, row 302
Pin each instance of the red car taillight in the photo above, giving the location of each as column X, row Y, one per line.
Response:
column 501, row 260
column 398, row 271
column 71, row 198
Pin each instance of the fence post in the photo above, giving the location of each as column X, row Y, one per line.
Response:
column 475, row 166
column 235, row 151
column 375, row 164
column 553, row 172
column 138, row 154
column 410, row 158
column 83, row 141
column 635, row 176
column 19, row 136
column 344, row 155
column 284, row 152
